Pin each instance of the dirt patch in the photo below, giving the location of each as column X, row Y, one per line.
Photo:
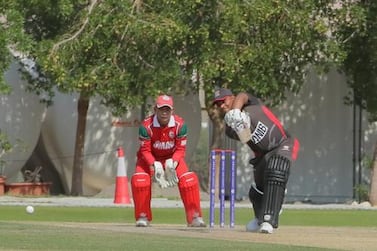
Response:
column 342, row 238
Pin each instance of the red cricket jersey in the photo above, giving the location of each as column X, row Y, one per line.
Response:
column 159, row 143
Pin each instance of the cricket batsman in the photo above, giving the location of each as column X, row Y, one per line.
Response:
column 251, row 122
column 160, row 158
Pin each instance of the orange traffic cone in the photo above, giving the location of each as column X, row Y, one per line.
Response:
column 121, row 184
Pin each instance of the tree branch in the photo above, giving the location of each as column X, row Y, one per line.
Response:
column 90, row 9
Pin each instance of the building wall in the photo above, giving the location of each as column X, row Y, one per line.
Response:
column 21, row 117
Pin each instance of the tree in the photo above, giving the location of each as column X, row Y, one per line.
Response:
column 360, row 67
column 125, row 51
column 112, row 49
column 12, row 38
column 262, row 47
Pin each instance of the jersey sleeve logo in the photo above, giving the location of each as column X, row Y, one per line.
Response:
column 259, row 132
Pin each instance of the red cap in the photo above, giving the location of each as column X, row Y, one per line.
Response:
column 164, row 100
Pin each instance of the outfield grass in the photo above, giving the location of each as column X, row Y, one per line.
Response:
column 19, row 230
column 291, row 217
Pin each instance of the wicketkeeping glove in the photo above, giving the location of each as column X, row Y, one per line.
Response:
column 159, row 174
column 170, row 173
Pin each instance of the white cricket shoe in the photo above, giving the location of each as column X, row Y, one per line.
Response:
column 266, row 228
column 142, row 222
column 197, row 222
column 253, row 226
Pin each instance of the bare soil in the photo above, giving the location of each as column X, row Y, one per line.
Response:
column 341, row 238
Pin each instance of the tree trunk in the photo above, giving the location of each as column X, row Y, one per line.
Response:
column 77, row 171
column 217, row 128
column 217, row 142
column 373, row 188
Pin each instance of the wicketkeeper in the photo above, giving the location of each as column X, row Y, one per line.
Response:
column 161, row 157
column 251, row 122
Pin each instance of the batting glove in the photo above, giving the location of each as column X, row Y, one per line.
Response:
column 233, row 116
column 246, row 119
column 170, row 173
column 237, row 119
column 240, row 123
column 159, row 174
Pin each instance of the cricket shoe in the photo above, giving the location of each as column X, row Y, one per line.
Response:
column 197, row 222
column 142, row 222
column 253, row 226
column 266, row 228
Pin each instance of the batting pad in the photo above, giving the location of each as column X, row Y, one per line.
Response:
column 189, row 190
column 275, row 181
column 142, row 195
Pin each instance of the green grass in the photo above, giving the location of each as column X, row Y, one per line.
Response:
column 19, row 230
column 292, row 217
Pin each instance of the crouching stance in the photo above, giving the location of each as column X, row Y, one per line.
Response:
column 160, row 158
column 251, row 122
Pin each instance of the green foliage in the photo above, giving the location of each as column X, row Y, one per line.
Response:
column 5, row 146
column 109, row 49
column 261, row 46
column 11, row 37
column 362, row 192
column 367, row 162
column 360, row 65
column 125, row 52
